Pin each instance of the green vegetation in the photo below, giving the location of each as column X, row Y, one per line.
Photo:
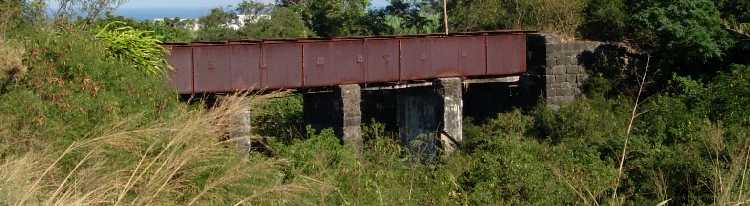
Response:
column 139, row 48
column 86, row 118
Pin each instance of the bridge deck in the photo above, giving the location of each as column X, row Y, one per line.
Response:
column 316, row 62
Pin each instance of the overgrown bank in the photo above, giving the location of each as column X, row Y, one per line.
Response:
column 81, row 124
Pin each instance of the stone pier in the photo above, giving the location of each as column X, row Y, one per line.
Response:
column 431, row 113
column 338, row 109
column 451, row 109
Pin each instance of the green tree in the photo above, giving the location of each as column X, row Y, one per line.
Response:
column 681, row 31
column 215, row 26
column 282, row 23
column 412, row 17
column 253, row 10
column 605, row 20
column 171, row 29
column 89, row 10
column 334, row 17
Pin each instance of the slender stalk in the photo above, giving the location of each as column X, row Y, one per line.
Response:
column 633, row 115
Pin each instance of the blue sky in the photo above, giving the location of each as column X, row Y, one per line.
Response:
column 153, row 9
column 139, row 4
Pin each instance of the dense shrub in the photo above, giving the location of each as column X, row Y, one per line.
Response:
column 72, row 87
column 280, row 117
column 544, row 160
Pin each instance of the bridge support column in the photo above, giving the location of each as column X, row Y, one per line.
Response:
column 241, row 129
column 432, row 113
column 339, row 110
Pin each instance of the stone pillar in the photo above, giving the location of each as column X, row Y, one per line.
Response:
column 241, row 123
column 427, row 114
column 240, row 129
column 339, row 110
column 350, row 98
column 451, row 131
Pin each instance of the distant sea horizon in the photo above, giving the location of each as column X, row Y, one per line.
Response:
column 158, row 13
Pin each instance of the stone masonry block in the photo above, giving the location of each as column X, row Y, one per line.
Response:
column 572, row 59
column 553, row 49
column 565, row 84
column 566, row 92
column 571, row 78
column 558, row 69
column 550, row 62
column 551, row 92
column 571, row 69
column 549, row 79
column 555, row 85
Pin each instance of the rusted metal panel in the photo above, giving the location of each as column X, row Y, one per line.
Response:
column 329, row 63
column 471, row 55
column 181, row 60
column 245, row 63
column 382, row 60
column 281, row 65
column 506, row 54
column 415, row 59
column 444, row 57
column 212, row 71
column 436, row 57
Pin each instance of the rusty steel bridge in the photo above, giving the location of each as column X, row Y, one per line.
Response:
column 216, row 67
column 418, row 84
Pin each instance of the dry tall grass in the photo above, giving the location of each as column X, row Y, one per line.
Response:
column 10, row 10
column 730, row 182
column 176, row 162
column 11, row 61
column 558, row 16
